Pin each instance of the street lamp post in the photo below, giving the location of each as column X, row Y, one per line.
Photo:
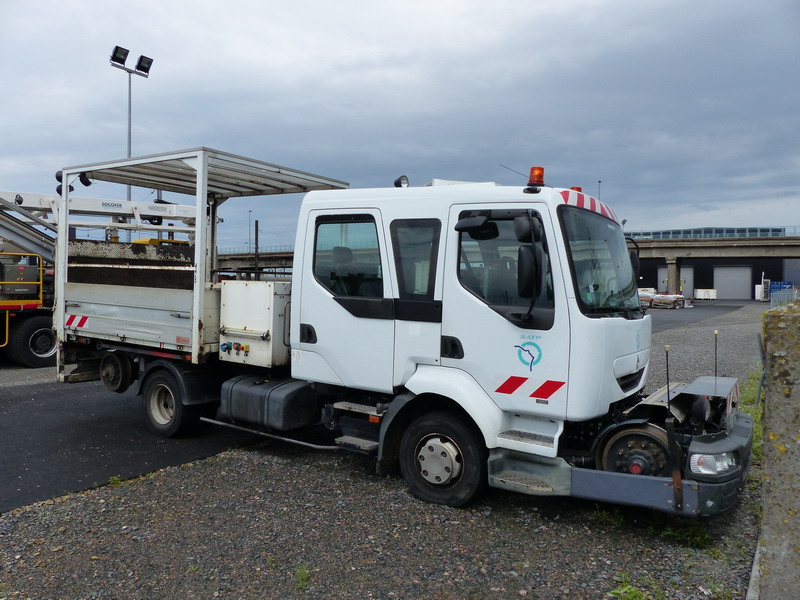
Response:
column 118, row 57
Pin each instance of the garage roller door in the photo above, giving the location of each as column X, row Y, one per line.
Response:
column 733, row 283
column 686, row 281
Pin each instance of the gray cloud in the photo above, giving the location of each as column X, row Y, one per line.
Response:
column 685, row 111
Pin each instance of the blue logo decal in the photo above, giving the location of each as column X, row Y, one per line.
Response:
column 529, row 354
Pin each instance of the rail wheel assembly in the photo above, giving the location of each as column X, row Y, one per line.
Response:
column 637, row 449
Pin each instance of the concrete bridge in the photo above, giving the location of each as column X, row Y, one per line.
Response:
column 251, row 261
column 675, row 251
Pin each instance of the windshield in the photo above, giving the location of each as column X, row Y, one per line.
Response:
column 601, row 266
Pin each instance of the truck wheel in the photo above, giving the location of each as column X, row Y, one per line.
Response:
column 164, row 410
column 32, row 342
column 116, row 372
column 443, row 460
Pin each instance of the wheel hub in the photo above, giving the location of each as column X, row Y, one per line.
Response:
column 162, row 405
column 42, row 343
column 439, row 460
column 639, row 450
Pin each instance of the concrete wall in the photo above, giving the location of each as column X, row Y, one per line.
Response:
column 779, row 564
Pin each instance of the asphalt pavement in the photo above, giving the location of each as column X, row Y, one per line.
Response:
column 669, row 318
column 57, row 438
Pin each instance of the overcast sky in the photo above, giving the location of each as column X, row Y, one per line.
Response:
column 687, row 111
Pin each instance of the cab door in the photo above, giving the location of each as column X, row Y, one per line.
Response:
column 416, row 251
column 346, row 323
column 513, row 342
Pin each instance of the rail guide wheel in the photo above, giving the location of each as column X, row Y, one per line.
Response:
column 638, row 450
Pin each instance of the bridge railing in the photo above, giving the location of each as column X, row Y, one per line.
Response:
column 715, row 232
column 251, row 250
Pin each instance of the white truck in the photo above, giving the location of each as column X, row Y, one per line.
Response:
column 473, row 334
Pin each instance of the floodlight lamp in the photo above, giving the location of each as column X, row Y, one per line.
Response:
column 143, row 64
column 119, row 55
column 401, row 181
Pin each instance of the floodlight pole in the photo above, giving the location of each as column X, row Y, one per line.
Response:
column 118, row 57
column 130, row 115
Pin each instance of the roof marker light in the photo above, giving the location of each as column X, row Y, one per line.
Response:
column 576, row 188
column 537, row 176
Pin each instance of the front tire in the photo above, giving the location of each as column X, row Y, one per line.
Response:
column 444, row 460
column 166, row 415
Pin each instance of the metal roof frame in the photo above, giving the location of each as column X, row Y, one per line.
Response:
column 211, row 177
column 228, row 175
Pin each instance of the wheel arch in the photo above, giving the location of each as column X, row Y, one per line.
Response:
column 197, row 386
column 431, row 390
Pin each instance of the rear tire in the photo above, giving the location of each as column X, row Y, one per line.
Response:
column 162, row 400
column 32, row 342
column 444, row 460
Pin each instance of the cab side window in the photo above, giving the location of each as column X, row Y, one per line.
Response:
column 416, row 245
column 347, row 260
column 512, row 276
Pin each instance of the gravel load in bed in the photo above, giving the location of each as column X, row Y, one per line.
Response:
column 279, row 521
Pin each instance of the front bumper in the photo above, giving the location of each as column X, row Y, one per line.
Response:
column 699, row 495
column 718, row 494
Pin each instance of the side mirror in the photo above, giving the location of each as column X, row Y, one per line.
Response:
column 635, row 264
column 527, row 272
column 470, row 223
column 478, row 228
column 522, row 230
column 527, row 230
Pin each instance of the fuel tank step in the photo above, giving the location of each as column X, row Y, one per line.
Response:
column 357, row 444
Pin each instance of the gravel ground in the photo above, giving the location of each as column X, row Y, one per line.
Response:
column 279, row 521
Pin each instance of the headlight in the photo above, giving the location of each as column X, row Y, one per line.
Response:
column 712, row 464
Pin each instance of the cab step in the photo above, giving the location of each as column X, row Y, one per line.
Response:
column 527, row 437
column 356, row 444
column 364, row 409
column 529, row 474
column 524, row 482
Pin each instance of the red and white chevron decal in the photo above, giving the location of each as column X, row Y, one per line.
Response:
column 542, row 391
column 76, row 321
column 581, row 200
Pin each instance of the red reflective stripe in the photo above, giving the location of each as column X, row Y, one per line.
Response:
column 71, row 321
column 511, row 385
column 565, row 196
column 592, row 204
column 580, row 200
column 547, row 389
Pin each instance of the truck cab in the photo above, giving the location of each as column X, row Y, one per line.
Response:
column 527, row 299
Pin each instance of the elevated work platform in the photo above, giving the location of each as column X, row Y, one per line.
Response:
column 17, row 226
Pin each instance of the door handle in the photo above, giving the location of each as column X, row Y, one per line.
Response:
column 451, row 347
column 307, row 334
